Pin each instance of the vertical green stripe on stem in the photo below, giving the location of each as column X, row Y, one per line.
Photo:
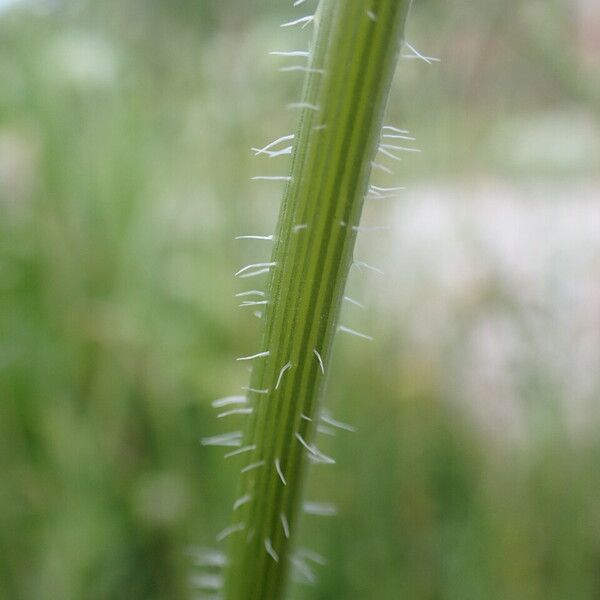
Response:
column 354, row 53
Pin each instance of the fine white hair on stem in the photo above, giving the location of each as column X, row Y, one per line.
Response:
column 256, row 390
column 305, row 417
column 283, row 138
column 253, row 356
column 229, row 530
column 354, row 302
column 207, row 557
column 207, row 581
column 254, row 237
column 228, row 401
column 301, row 69
column 285, row 367
column 314, row 452
column 271, row 178
column 322, row 459
column 270, row 550
column 243, row 450
column 321, row 365
column 303, row 571
column 304, row 21
column 360, row 265
column 394, row 129
column 300, row 227
column 363, row 336
column 416, row 54
column 320, row 509
column 372, row 15
column 254, row 303
column 385, row 190
column 388, row 153
column 325, row 430
column 241, row 501
column 252, row 466
column 274, row 153
column 399, row 136
column 255, row 273
column 285, row 525
column 266, row 265
column 304, row 105
column 235, row 411
column 250, row 293
column 227, row 439
column 381, row 167
column 294, row 53
column 312, row 556
column 327, row 418
column 399, row 148
column 299, row 2
column 279, row 471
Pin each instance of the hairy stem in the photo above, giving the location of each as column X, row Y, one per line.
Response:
column 354, row 52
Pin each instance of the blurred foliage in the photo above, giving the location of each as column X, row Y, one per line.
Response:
column 124, row 167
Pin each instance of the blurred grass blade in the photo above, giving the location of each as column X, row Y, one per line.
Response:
column 353, row 56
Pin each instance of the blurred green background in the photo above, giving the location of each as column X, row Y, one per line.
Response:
column 125, row 165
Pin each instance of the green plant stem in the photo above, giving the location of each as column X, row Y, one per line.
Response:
column 354, row 53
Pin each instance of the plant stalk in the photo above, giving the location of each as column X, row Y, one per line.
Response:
column 355, row 48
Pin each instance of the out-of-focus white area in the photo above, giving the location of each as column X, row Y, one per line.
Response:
column 83, row 59
column 35, row 6
column 496, row 286
column 6, row 4
column 561, row 140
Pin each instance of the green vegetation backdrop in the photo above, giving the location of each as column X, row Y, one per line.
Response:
column 125, row 136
